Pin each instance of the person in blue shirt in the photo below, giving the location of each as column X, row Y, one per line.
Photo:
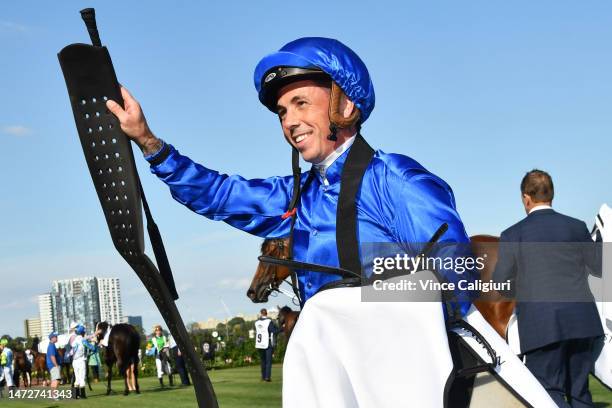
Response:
column 322, row 94
column 53, row 361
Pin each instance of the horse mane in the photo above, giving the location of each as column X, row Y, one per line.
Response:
column 35, row 343
column 274, row 246
column 285, row 309
column 104, row 326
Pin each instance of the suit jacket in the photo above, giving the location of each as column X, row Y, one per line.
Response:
column 548, row 257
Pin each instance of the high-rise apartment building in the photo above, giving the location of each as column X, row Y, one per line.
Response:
column 80, row 300
column 134, row 321
column 32, row 327
column 109, row 295
column 45, row 312
column 75, row 300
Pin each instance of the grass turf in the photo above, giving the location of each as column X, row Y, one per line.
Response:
column 238, row 387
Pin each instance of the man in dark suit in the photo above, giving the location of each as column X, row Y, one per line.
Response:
column 548, row 257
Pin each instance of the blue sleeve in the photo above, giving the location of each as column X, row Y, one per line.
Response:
column 90, row 346
column 255, row 206
column 425, row 203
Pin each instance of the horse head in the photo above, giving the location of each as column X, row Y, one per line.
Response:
column 268, row 277
column 101, row 329
column 35, row 344
column 287, row 318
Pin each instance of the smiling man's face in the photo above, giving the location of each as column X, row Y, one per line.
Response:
column 303, row 108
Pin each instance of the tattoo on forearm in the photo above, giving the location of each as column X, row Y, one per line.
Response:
column 152, row 146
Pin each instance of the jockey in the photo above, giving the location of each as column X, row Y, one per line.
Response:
column 6, row 363
column 80, row 347
column 322, row 93
column 159, row 346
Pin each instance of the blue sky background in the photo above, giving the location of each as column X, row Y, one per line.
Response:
column 478, row 91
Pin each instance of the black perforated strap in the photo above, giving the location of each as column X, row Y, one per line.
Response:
column 347, row 242
column 91, row 81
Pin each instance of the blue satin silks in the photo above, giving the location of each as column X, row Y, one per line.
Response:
column 399, row 202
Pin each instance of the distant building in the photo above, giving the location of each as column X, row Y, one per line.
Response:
column 209, row 324
column 46, row 315
column 134, row 321
column 109, row 295
column 32, row 327
column 250, row 317
column 212, row 323
column 75, row 300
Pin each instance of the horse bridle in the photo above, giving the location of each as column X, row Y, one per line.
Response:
column 91, row 81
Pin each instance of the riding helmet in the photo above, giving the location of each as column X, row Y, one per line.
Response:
column 314, row 58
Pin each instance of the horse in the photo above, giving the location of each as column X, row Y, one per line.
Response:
column 122, row 343
column 287, row 318
column 40, row 363
column 65, row 367
column 23, row 368
column 496, row 309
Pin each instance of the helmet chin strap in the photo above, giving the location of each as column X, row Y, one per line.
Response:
column 333, row 130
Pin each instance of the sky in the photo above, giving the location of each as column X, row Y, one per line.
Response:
column 479, row 92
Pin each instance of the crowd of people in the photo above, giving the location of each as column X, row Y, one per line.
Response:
column 80, row 352
column 78, row 361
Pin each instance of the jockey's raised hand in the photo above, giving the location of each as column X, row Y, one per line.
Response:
column 133, row 123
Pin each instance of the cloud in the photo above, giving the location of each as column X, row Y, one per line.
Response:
column 12, row 26
column 185, row 287
column 16, row 130
column 235, row 283
column 17, row 304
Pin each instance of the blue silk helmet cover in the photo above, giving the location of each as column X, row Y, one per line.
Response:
column 332, row 57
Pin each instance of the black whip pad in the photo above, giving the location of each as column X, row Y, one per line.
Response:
column 91, row 81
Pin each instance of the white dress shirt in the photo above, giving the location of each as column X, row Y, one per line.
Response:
column 540, row 207
column 322, row 166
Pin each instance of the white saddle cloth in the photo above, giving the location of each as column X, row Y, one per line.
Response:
column 347, row 353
